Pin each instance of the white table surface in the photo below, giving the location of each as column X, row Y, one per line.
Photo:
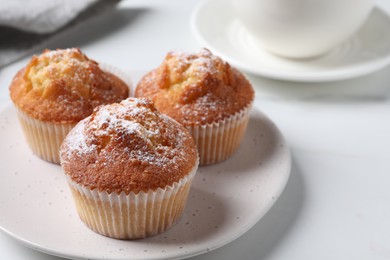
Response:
column 336, row 204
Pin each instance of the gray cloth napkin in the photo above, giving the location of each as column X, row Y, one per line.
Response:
column 26, row 25
column 40, row 16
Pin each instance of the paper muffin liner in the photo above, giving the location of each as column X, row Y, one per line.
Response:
column 218, row 141
column 132, row 216
column 44, row 138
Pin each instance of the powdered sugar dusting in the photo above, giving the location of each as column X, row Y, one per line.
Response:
column 209, row 89
column 64, row 85
column 132, row 129
column 70, row 64
column 72, row 56
column 78, row 140
column 196, row 64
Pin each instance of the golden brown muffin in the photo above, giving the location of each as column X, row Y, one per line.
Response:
column 123, row 157
column 55, row 91
column 205, row 94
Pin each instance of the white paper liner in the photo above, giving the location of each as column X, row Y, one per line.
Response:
column 44, row 138
column 132, row 216
column 218, row 141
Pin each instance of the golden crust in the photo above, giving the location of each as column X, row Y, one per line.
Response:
column 64, row 86
column 196, row 88
column 128, row 147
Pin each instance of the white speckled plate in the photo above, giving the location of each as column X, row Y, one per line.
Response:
column 215, row 26
column 225, row 201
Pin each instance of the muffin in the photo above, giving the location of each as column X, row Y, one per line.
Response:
column 206, row 95
column 130, row 169
column 55, row 91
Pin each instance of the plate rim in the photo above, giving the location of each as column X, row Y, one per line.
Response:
column 221, row 242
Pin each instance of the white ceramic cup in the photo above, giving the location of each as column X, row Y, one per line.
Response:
column 301, row 28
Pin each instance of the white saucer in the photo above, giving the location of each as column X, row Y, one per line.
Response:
column 226, row 199
column 215, row 26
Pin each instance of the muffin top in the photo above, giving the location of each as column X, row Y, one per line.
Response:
column 128, row 146
column 196, row 88
column 64, row 86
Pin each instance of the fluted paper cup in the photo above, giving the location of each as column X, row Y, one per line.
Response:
column 132, row 216
column 216, row 142
column 44, row 138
